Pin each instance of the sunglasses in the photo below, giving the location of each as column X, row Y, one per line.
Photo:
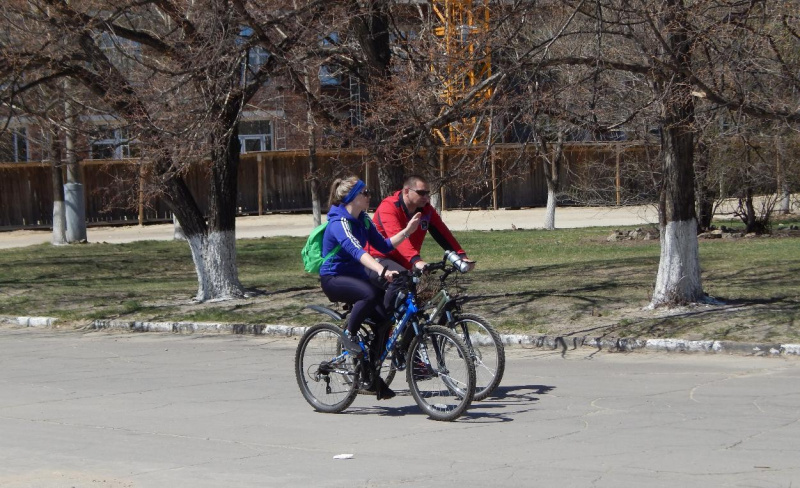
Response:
column 366, row 193
column 422, row 193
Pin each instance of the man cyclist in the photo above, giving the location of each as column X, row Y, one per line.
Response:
column 392, row 216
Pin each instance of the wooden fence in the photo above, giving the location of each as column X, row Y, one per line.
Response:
column 117, row 191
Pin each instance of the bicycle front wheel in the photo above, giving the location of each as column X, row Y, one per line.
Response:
column 486, row 349
column 440, row 373
column 327, row 377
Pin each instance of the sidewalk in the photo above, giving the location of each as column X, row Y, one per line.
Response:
column 254, row 227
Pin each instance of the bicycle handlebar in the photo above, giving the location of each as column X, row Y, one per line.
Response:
column 451, row 258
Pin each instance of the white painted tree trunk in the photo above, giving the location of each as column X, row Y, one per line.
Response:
column 678, row 279
column 784, row 201
column 214, row 259
column 436, row 201
column 550, row 213
column 59, row 224
column 177, row 230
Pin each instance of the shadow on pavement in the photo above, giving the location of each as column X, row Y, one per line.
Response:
column 520, row 398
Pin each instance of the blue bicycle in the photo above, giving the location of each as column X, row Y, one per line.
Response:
column 438, row 366
column 483, row 342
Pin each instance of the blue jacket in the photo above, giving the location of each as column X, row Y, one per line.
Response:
column 351, row 233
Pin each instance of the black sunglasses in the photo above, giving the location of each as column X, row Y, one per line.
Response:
column 366, row 192
column 422, row 193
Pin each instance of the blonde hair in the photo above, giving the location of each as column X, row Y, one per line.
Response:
column 340, row 188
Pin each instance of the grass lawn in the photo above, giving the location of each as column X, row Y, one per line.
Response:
column 564, row 282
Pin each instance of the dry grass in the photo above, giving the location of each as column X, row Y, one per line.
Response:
column 563, row 282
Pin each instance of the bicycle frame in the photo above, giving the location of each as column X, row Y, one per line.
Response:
column 408, row 319
column 443, row 306
column 410, row 312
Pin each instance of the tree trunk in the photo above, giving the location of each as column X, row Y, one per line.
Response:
column 313, row 180
column 214, row 257
column 59, row 211
column 784, row 199
column 75, row 211
column 177, row 230
column 213, row 244
column 706, row 196
column 749, row 210
column 552, row 168
column 316, row 201
column 316, row 207
column 678, row 280
column 784, row 193
column 390, row 177
column 218, row 275
column 550, row 212
column 369, row 25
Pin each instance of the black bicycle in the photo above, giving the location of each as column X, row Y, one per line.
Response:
column 439, row 369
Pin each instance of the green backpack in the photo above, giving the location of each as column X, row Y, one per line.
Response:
column 312, row 251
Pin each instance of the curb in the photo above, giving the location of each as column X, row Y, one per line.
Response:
column 199, row 327
column 550, row 342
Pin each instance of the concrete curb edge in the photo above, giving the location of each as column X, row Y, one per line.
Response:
column 550, row 342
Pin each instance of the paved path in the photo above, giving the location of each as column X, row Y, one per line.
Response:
column 99, row 409
column 301, row 224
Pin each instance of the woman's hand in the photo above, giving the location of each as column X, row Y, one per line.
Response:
column 389, row 275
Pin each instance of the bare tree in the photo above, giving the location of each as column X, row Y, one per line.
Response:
column 176, row 75
column 724, row 55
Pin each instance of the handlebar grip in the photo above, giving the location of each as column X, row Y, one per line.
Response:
column 456, row 260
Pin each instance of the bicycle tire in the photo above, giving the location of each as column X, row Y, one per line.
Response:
column 329, row 392
column 486, row 348
column 440, row 374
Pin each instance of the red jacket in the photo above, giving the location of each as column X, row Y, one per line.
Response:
column 392, row 216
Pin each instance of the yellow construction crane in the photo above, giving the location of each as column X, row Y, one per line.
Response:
column 462, row 29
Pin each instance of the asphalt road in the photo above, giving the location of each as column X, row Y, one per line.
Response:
column 100, row 409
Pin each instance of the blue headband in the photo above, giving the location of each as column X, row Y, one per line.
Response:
column 354, row 192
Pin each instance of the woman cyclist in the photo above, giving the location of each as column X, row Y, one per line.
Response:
column 343, row 276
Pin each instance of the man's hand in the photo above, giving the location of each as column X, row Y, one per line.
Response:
column 470, row 264
column 413, row 224
column 420, row 264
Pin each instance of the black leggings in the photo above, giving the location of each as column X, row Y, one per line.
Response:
column 391, row 288
column 366, row 299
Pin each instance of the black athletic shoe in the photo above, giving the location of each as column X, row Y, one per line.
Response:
column 350, row 344
column 382, row 390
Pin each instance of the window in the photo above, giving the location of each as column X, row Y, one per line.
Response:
column 257, row 56
column 13, row 146
column 112, row 143
column 123, row 53
column 255, row 136
column 330, row 75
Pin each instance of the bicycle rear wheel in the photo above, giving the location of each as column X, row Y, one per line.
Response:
column 486, row 348
column 440, row 374
column 326, row 376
